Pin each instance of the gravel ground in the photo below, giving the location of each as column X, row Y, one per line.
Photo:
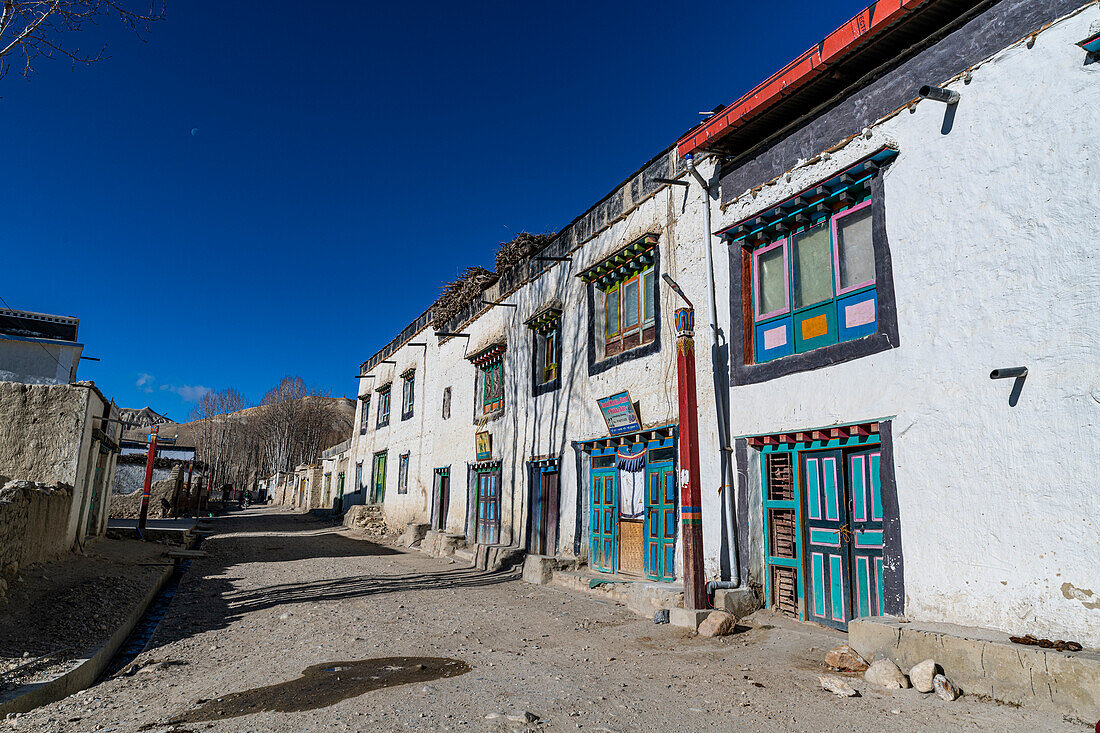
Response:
column 69, row 608
column 291, row 624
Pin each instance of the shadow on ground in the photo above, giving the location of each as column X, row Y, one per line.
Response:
column 208, row 600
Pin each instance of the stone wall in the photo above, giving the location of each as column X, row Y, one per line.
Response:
column 33, row 518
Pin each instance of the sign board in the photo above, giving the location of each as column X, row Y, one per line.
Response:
column 483, row 446
column 619, row 414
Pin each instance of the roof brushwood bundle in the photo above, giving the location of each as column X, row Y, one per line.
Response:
column 457, row 295
column 520, row 249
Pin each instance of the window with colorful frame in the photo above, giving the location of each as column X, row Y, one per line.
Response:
column 364, row 414
column 408, row 393
column 403, row 473
column 490, row 381
column 384, row 405
column 624, row 295
column 813, row 274
column 545, row 327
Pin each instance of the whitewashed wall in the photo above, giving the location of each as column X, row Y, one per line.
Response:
column 547, row 425
column 993, row 230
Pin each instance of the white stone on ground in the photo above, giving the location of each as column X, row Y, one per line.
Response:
column 885, row 673
column 837, row 685
column 921, row 675
column 945, row 688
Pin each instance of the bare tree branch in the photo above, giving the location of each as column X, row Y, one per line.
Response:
column 40, row 27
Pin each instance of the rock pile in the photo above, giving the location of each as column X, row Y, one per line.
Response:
column 367, row 517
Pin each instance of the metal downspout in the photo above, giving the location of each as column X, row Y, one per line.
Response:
column 720, row 387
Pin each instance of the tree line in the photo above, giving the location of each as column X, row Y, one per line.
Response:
column 290, row 426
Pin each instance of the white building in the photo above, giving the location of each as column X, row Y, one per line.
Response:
column 878, row 255
column 37, row 348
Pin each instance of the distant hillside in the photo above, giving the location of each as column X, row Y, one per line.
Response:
column 186, row 433
column 146, row 417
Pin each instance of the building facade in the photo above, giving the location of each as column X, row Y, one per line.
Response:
column 892, row 232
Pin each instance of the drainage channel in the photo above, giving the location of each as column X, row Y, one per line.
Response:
column 139, row 638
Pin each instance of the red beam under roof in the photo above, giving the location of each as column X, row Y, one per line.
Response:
column 868, row 24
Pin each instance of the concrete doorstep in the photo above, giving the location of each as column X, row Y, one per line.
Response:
column 985, row 662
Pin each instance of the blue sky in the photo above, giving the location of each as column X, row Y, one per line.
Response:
column 343, row 165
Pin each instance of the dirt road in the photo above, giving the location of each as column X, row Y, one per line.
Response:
column 291, row 624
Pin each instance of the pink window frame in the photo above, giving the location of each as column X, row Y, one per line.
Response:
column 756, row 284
column 836, row 250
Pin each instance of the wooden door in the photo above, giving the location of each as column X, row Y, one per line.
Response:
column 828, row 538
column 440, row 500
column 865, row 498
column 544, row 514
column 488, row 508
column 660, row 523
column 604, row 527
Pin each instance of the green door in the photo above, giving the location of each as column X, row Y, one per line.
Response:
column 660, row 522
column 378, row 492
column 604, row 527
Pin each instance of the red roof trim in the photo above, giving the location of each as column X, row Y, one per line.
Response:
column 870, row 22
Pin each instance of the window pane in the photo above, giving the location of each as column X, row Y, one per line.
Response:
column 772, row 281
column 647, row 295
column 855, row 252
column 813, row 268
column 630, row 305
column 612, row 311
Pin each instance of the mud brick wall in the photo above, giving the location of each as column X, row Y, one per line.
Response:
column 33, row 520
column 40, row 431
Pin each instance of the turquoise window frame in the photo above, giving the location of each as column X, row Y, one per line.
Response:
column 857, row 441
column 798, row 330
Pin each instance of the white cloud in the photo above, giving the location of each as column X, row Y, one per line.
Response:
column 145, row 382
column 190, row 393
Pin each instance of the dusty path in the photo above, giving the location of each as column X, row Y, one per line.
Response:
column 304, row 610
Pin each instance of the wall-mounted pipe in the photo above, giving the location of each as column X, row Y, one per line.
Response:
column 718, row 381
column 939, row 94
column 1009, row 373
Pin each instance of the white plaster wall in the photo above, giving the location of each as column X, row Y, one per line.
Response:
column 38, row 362
column 993, row 230
column 546, row 425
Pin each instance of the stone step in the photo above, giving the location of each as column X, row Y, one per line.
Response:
column 465, row 555
column 986, row 662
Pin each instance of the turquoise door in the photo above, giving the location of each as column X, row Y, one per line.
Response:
column 604, row 527
column 828, row 540
column 660, row 522
column 866, row 517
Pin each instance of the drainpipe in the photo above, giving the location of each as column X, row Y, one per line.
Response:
column 720, row 386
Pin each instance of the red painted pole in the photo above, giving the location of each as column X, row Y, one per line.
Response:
column 149, row 459
column 691, row 510
column 187, row 503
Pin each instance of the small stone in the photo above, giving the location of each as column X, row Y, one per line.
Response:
column 921, row 675
column 494, row 716
column 718, row 623
column 522, row 716
column 661, row 616
column 885, row 673
column 284, row 616
column 837, row 686
column 945, row 688
column 845, row 659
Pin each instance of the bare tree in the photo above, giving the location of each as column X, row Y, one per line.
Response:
column 41, row 27
column 292, row 425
